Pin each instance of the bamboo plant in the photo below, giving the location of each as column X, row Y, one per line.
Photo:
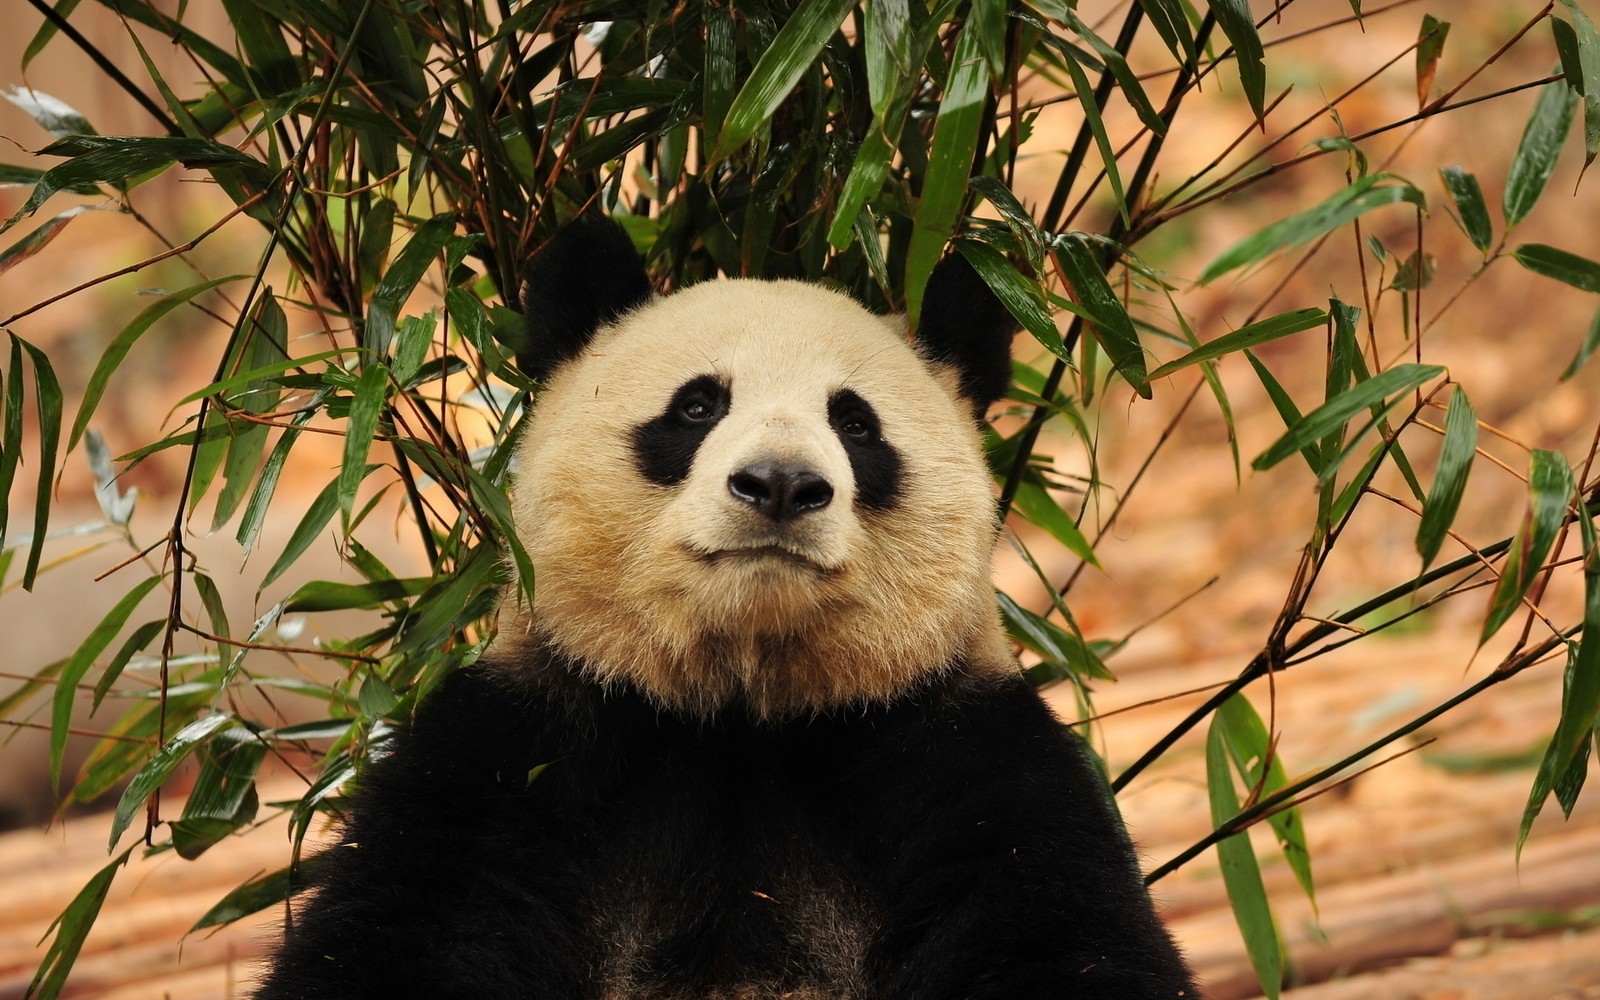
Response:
column 392, row 165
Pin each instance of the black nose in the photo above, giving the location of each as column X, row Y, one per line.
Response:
column 780, row 491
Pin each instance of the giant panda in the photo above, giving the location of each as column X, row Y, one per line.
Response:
column 760, row 734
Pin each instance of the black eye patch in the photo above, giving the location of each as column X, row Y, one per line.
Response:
column 874, row 461
column 664, row 446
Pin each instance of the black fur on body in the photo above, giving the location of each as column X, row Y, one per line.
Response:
column 533, row 835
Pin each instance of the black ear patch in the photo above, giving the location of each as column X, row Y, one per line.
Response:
column 965, row 326
column 587, row 275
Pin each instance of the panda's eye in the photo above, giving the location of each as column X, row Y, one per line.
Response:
column 853, row 419
column 697, row 410
column 700, row 402
column 857, row 428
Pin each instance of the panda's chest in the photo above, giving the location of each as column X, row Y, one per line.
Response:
column 727, row 878
column 716, row 938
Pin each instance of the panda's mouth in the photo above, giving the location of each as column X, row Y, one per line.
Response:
column 759, row 554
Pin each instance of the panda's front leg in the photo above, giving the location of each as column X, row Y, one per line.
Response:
column 1005, row 870
column 452, row 876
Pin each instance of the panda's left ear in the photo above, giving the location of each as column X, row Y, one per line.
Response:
column 965, row 326
column 587, row 275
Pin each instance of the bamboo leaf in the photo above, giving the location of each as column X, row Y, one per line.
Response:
column 1343, row 360
column 1549, row 493
column 252, row 897
column 871, row 166
column 1103, row 309
column 1171, row 22
column 1579, row 45
column 1214, row 383
column 210, row 450
column 1252, row 335
column 1241, row 873
column 1097, row 128
column 260, row 36
column 492, row 500
column 123, row 342
column 336, row 772
column 211, row 599
column 264, row 348
column 1127, row 81
column 1366, row 194
column 1579, row 272
column 1020, row 295
column 1430, row 46
column 944, row 188
column 1591, row 341
column 46, row 31
column 1236, row 22
column 1537, row 151
column 47, row 402
column 1415, row 272
column 1064, row 652
column 1450, row 481
column 10, row 434
column 223, row 798
column 1471, row 211
column 390, row 295
column 779, row 68
column 127, row 747
column 142, row 636
column 316, row 518
column 866, row 233
column 66, row 694
column 867, row 174
column 37, row 240
column 366, row 405
column 377, row 233
column 115, row 503
column 1249, row 745
column 117, row 159
column 71, row 928
column 255, row 509
column 1338, row 411
column 54, row 115
column 1565, row 762
column 32, row 685
column 160, row 767
column 322, row 595
column 411, row 345
column 1582, row 703
column 236, row 383
column 721, row 73
column 452, row 603
column 1035, row 503
column 1016, row 216
column 988, row 19
column 888, row 50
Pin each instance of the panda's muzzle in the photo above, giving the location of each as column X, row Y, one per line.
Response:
column 780, row 492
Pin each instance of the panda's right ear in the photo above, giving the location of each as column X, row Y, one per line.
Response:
column 587, row 275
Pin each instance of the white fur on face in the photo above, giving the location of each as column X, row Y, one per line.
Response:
column 689, row 593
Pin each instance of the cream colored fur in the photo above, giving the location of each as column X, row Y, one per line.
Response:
column 659, row 586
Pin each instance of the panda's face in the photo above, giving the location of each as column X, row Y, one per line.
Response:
column 757, row 492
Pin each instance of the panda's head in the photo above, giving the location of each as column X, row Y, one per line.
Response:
column 755, row 493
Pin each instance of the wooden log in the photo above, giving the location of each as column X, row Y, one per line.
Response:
column 1385, row 919
column 1564, row 966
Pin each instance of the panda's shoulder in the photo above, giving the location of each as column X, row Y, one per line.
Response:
column 486, row 724
column 991, row 722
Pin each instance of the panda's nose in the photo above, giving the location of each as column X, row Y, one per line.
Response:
column 779, row 491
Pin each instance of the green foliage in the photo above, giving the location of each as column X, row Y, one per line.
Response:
column 396, row 163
